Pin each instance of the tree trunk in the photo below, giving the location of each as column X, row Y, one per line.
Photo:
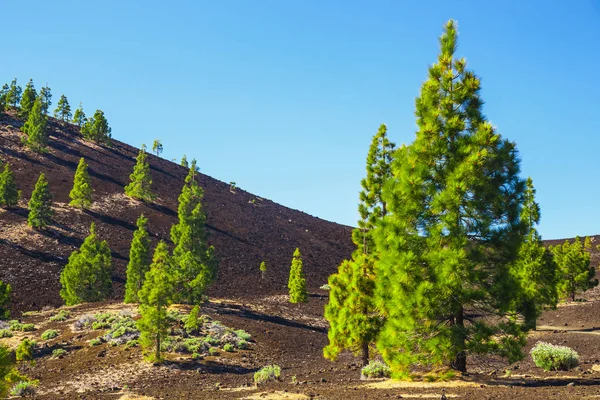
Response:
column 365, row 353
column 460, row 358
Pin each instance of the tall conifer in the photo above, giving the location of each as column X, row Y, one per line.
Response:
column 35, row 128
column 40, row 204
column 81, row 194
column 13, row 95
column 87, row 275
column 297, row 281
column 452, row 231
column 79, row 117
column 194, row 259
column 46, row 99
column 27, row 100
column 156, row 295
column 9, row 194
column 63, row 109
column 141, row 181
column 140, row 258
column 97, row 129
column 353, row 320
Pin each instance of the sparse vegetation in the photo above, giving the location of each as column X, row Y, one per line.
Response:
column 59, row 353
column 228, row 347
column 49, row 334
column 157, row 147
column 95, row 342
column 263, row 269
column 25, row 349
column 376, row 369
column 24, row 389
column 18, row 326
column 265, row 374
column 5, row 333
column 550, row 357
column 60, row 316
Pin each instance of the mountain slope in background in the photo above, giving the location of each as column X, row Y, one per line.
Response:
column 244, row 228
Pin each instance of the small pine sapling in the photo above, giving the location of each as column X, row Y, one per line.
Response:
column 81, row 194
column 40, row 205
column 297, row 282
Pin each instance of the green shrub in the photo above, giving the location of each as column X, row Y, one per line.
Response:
column 211, row 340
column 27, row 327
column 265, row 374
column 30, row 313
column 325, row 287
column 61, row 316
column 95, row 342
column 23, row 388
column 25, row 350
column 49, row 334
column 5, row 333
column 132, row 343
column 196, row 356
column 554, row 358
column 17, row 326
column 100, row 325
column 213, row 351
column 193, row 323
column 376, row 369
column 228, row 347
column 243, row 345
column 243, row 335
column 58, row 353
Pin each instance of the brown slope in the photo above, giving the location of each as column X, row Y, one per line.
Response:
column 244, row 228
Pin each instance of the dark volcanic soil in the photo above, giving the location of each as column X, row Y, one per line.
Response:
column 244, row 228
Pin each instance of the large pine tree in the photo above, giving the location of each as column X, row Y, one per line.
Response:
column 535, row 268
column 35, row 128
column 27, row 100
column 81, row 194
column 353, row 320
column 575, row 274
column 140, row 258
column 195, row 262
column 13, row 95
column 156, row 295
column 40, row 204
column 452, row 230
column 87, row 275
column 296, row 280
column 141, row 181
column 46, row 99
column 9, row 194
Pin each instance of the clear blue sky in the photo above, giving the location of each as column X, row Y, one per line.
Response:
column 283, row 96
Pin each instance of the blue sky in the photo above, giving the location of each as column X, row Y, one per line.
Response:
column 283, row 96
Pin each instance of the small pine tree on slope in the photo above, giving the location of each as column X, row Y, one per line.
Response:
column 45, row 97
column 81, row 194
column 296, row 281
column 140, row 258
column 155, row 296
column 40, row 205
column 141, row 181
column 79, row 117
column 35, row 128
column 63, row 109
column 195, row 263
column 97, row 129
column 452, row 230
column 535, row 268
column 574, row 272
column 353, row 320
column 13, row 95
column 9, row 194
column 5, row 290
column 87, row 275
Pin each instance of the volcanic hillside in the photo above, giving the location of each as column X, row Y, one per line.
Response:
column 244, row 228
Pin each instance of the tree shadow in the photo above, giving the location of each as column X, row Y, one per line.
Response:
column 244, row 312
column 211, row 367
column 542, row 382
column 38, row 255
column 107, row 219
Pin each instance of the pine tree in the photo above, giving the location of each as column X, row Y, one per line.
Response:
column 139, row 261
column 452, row 230
column 195, row 262
column 574, row 272
column 157, row 147
column 5, row 290
column 353, row 320
column 81, row 194
column 184, row 162
column 87, row 275
column 97, row 129
column 79, row 117
column 35, row 128
column 296, row 281
column 45, row 97
column 141, row 181
column 40, row 205
column 13, row 95
column 263, row 269
column 6, row 369
column 535, row 268
column 27, row 100
column 63, row 109
column 4, row 97
column 155, row 296
column 9, row 194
